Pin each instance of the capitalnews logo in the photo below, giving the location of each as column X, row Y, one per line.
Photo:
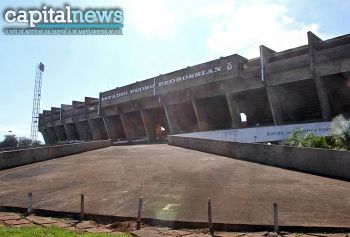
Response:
column 63, row 21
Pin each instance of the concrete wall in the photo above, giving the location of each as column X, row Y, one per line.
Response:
column 323, row 162
column 10, row 159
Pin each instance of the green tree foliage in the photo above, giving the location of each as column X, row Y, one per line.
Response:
column 14, row 141
column 339, row 139
column 36, row 143
column 24, row 142
column 9, row 141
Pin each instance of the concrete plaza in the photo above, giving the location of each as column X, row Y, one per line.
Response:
column 175, row 184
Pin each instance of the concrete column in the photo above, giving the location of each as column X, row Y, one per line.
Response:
column 83, row 130
column 45, row 136
column 126, row 126
column 51, row 134
column 201, row 117
column 115, row 129
column 71, row 131
column 321, row 90
column 61, row 133
column 234, row 111
column 98, row 129
column 170, row 123
column 148, row 123
column 274, row 103
column 133, row 126
column 182, row 118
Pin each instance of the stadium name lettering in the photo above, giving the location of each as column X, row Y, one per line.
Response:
column 168, row 82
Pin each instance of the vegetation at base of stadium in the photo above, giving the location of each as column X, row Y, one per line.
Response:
column 339, row 139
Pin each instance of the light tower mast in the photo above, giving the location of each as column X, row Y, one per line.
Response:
column 36, row 101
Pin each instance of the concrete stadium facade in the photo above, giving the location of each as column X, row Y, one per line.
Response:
column 310, row 83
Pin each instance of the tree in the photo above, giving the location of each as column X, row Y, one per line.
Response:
column 13, row 141
column 9, row 141
column 36, row 143
column 24, row 142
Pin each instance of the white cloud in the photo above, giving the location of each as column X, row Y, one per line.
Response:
column 151, row 18
column 257, row 24
column 234, row 26
column 216, row 8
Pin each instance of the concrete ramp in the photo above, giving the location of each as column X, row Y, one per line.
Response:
column 175, row 183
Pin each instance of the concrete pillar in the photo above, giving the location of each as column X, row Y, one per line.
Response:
column 274, row 103
column 83, row 130
column 201, row 117
column 127, row 127
column 115, row 129
column 45, row 136
column 98, row 129
column 234, row 111
column 51, row 134
column 167, row 113
column 321, row 89
column 133, row 126
column 181, row 118
column 149, row 125
column 60, row 132
column 71, row 131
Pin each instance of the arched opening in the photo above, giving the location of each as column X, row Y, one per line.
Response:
column 244, row 120
column 255, row 105
column 161, row 132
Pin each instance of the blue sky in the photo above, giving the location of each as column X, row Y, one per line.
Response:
column 159, row 36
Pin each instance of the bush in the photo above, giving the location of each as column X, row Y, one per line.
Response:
column 340, row 139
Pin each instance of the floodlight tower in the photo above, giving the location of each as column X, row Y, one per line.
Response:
column 36, row 101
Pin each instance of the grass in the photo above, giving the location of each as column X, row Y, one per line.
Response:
column 50, row 232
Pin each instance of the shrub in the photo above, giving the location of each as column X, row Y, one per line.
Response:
column 339, row 139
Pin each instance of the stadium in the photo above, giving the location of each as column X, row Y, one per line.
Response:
column 307, row 84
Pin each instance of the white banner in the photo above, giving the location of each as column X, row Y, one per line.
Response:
column 263, row 134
